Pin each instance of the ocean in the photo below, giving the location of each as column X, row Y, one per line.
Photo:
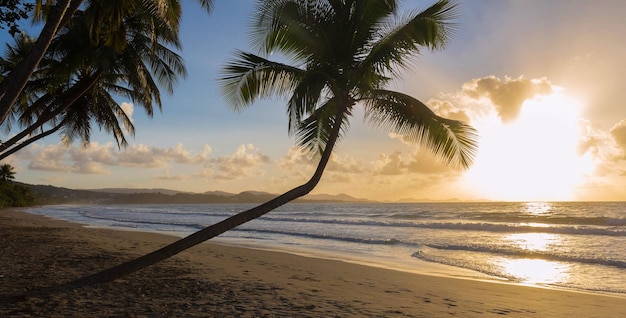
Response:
column 571, row 245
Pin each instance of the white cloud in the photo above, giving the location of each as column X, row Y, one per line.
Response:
column 298, row 160
column 241, row 164
column 448, row 110
column 169, row 176
column 421, row 161
column 93, row 158
column 619, row 134
column 90, row 168
column 50, row 158
column 141, row 156
column 129, row 109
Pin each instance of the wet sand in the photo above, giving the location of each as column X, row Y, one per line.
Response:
column 212, row 280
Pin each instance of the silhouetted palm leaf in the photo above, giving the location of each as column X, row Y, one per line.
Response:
column 453, row 141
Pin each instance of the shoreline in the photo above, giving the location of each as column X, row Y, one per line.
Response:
column 222, row 280
column 393, row 261
column 429, row 269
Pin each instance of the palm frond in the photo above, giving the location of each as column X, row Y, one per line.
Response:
column 453, row 141
column 166, row 12
column 207, row 5
column 248, row 77
column 289, row 26
column 305, row 98
column 314, row 132
column 110, row 116
column 430, row 28
column 365, row 20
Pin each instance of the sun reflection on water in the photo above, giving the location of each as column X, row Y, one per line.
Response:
column 537, row 208
column 530, row 268
column 535, row 271
column 533, row 241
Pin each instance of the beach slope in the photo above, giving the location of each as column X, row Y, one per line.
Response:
column 212, row 280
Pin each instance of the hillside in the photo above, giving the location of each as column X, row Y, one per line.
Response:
column 57, row 195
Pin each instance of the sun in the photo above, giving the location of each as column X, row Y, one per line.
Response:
column 533, row 158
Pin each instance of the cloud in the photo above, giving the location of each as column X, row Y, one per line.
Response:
column 93, row 158
column 90, row 168
column 141, row 156
column 94, row 152
column 50, row 158
column 419, row 162
column 391, row 164
column 388, row 173
column 598, row 142
column 344, row 164
column 403, row 138
column 486, row 97
column 297, row 160
column 619, row 134
column 168, row 176
column 607, row 148
column 448, row 110
column 55, row 158
column 506, row 95
column 129, row 109
column 179, row 154
column 243, row 163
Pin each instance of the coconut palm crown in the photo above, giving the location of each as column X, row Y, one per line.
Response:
column 343, row 53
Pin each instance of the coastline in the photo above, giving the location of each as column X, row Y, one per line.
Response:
column 226, row 281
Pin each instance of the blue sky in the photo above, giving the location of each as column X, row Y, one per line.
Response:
column 542, row 81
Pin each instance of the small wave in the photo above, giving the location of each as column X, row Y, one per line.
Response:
column 326, row 237
column 468, row 226
column 518, row 253
column 500, row 222
column 496, row 271
column 556, row 220
column 525, row 228
column 141, row 223
column 166, row 217
column 166, row 214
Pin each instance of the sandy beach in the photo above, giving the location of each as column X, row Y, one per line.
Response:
column 212, row 280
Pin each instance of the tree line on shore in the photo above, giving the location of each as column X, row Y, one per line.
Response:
column 13, row 194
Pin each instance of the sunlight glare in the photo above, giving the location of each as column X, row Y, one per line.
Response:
column 535, row 157
column 537, row 208
column 533, row 241
column 535, row 271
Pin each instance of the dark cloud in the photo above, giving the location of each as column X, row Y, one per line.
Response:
column 507, row 95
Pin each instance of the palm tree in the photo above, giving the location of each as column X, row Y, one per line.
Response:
column 57, row 15
column 130, row 58
column 346, row 50
column 12, row 86
column 6, row 173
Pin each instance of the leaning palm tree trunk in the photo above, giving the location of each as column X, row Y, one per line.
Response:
column 13, row 85
column 7, row 152
column 65, row 100
column 216, row 229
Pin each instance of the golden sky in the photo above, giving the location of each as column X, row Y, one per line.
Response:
column 542, row 81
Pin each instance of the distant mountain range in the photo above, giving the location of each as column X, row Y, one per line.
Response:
column 58, row 195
